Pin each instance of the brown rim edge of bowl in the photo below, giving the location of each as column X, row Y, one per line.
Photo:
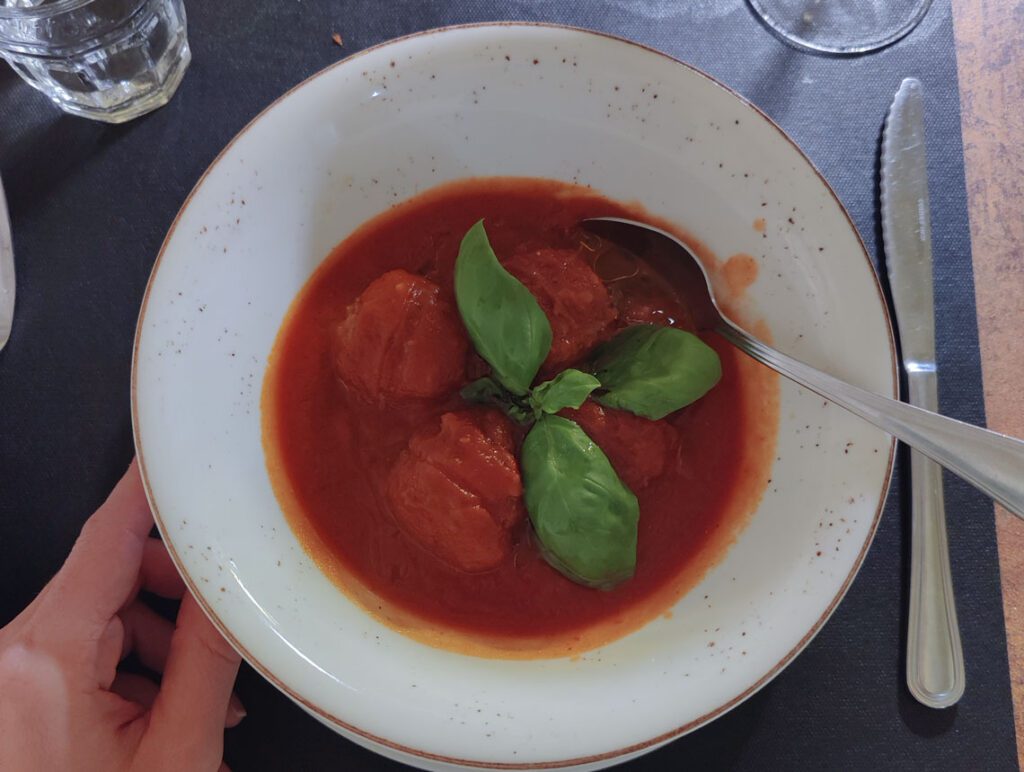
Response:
column 426, row 755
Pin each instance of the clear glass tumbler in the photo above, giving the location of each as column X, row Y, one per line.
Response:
column 110, row 60
column 840, row 26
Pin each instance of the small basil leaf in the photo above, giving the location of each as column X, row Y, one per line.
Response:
column 568, row 389
column 482, row 391
column 517, row 412
column 487, row 391
column 653, row 371
column 584, row 516
column 507, row 327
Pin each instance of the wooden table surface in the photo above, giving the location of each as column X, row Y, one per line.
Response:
column 990, row 61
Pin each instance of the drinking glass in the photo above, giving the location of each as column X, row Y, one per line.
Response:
column 110, row 60
column 840, row 26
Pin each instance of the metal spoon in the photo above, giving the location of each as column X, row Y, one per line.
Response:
column 991, row 462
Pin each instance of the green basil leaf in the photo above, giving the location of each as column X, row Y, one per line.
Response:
column 482, row 391
column 487, row 391
column 584, row 516
column 653, row 371
column 568, row 389
column 504, row 321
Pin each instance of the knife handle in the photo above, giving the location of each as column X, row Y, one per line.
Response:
column 991, row 462
column 935, row 659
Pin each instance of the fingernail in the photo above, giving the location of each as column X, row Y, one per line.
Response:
column 236, row 710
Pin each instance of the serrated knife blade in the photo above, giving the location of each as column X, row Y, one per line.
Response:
column 935, row 666
column 6, row 272
column 906, row 226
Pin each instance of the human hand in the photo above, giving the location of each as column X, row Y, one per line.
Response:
column 63, row 703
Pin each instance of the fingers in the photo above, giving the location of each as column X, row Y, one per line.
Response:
column 109, row 650
column 135, row 688
column 143, row 692
column 189, row 713
column 141, row 630
column 100, row 574
column 147, row 634
column 137, row 628
column 236, row 712
column 159, row 575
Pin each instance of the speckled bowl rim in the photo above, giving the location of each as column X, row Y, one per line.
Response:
column 560, row 763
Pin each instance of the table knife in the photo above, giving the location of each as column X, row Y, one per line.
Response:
column 6, row 272
column 935, row 664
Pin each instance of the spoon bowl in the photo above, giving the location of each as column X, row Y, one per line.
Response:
column 991, row 462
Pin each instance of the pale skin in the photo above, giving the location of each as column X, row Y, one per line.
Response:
column 65, row 704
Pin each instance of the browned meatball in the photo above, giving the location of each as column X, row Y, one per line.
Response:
column 401, row 338
column 457, row 490
column 574, row 298
column 638, row 448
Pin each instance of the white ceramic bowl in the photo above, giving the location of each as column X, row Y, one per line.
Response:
column 504, row 99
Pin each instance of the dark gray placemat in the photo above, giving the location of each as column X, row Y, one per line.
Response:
column 91, row 203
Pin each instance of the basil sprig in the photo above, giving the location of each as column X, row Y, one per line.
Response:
column 507, row 326
column 487, row 391
column 567, row 389
column 584, row 516
column 653, row 371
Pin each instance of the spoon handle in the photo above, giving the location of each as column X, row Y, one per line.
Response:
column 991, row 462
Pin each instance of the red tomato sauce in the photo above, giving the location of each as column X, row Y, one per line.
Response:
column 330, row 451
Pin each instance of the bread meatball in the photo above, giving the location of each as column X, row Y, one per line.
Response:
column 639, row 449
column 401, row 339
column 574, row 298
column 456, row 490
